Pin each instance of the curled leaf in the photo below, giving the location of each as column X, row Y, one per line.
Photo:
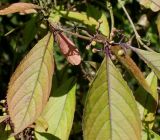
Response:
column 30, row 85
column 21, row 7
column 67, row 47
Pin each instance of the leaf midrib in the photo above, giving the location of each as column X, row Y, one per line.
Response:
column 37, row 78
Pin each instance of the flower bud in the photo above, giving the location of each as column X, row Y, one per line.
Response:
column 2, row 101
column 121, row 52
column 94, row 50
column 4, row 114
column 100, row 21
column 88, row 47
column 3, row 109
column 113, row 57
column 93, row 43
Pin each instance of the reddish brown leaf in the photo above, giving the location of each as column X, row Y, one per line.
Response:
column 30, row 85
column 68, row 49
column 18, row 7
column 131, row 66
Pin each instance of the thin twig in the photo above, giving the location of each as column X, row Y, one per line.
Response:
column 99, row 40
column 77, row 35
column 134, row 29
column 109, row 7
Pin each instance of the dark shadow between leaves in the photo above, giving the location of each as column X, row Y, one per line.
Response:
column 146, row 100
column 63, row 87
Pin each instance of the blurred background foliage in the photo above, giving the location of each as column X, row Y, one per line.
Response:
column 19, row 33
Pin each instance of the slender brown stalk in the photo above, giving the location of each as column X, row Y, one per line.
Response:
column 134, row 29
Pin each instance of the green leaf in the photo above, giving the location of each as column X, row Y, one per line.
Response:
column 147, row 102
column 30, row 85
column 98, row 14
column 110, row 111
column 41, row 124
column 151, row 58
column 150, row 135
column 59, row 111
column 87, row 20
column 79, row 17
column 104, row 27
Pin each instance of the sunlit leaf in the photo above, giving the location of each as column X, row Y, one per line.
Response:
column 86, row 19
column 151, row 58
column 99, row 15
column 30, row 85
column 154, row 5
column 18, row 7
column 110, row 111
column 59, row 111
column 147, row 102
column 104, row 26
column 150, row 135
column 41, row 124
column 79, row 17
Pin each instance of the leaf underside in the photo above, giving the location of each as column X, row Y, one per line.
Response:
column 30, row 85
column 110, row 111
